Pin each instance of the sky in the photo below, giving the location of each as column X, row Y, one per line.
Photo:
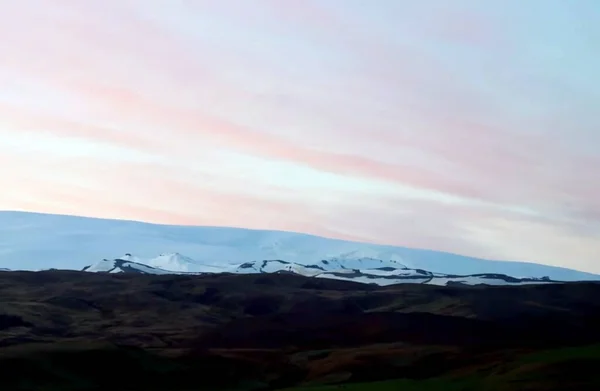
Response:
column 454, row 125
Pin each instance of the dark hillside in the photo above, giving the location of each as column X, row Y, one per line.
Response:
column 62, row 330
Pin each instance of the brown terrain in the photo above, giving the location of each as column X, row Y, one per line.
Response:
column 67, row 330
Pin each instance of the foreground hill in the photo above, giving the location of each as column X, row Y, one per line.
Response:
column 33, row 241
column 67, row 330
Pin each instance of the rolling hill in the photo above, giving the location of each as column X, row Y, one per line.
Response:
column 72, row 330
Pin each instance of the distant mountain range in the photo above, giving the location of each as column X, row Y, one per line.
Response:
column 363, row 270
column 33, row 241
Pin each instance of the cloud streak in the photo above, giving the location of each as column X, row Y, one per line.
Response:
column 447, row 134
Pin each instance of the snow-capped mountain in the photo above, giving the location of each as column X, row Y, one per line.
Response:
column 34, row 241
column 123, row 266
column 180, row 263
column 173, row 263
column 339, row 265
column 380, row 272
column 373, row 271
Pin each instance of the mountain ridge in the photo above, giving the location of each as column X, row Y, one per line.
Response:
column 37, row 241
column 378, row 272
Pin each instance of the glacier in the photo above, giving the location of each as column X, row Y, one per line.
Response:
column 37, row 241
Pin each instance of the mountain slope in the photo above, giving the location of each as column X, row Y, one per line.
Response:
column 123, row 266
column 163, row 264
column 384, row 273
column 388, row 273
column 33, row 241
column 180, row 263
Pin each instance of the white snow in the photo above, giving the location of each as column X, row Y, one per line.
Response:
column 376, row 276
column 33, row 241
column 115, row 266
column 475, row 280
column 131, row 258
column 345, row 261
column 367, row 276
column 395, row 272
column 180, row 263
column 469, row 280
column 372, row 280
column 103, row 266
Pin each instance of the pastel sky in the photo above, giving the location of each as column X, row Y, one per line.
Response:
column 460, row 125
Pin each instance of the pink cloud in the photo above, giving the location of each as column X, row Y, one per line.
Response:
column 52, row 46
column 497, row 164
column 34, row 122
column 190, row 127
column 141, row 83
column 152, row 193
column 488, row 156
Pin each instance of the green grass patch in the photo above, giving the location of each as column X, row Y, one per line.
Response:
column 543, row 370
column 399, row 385
column 591, row 352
